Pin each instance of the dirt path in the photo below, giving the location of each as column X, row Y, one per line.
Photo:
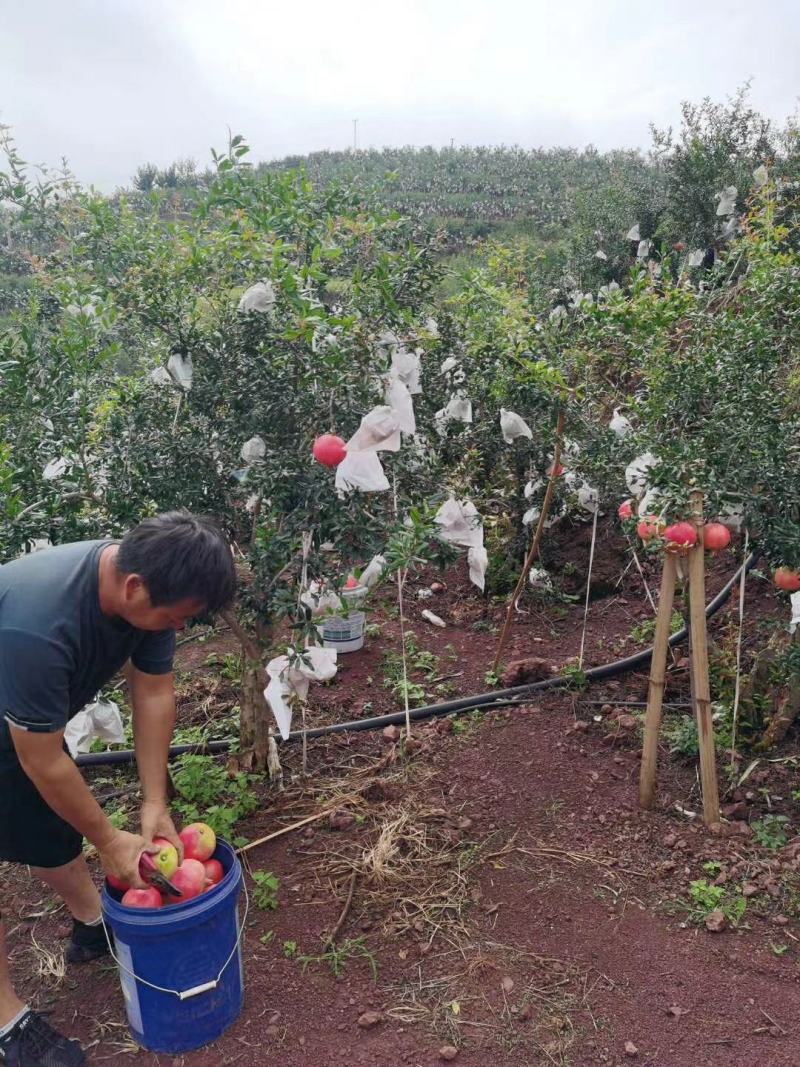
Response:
column 523, row 911
column 567, row 952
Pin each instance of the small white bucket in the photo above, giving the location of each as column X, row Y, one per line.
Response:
column 345, row 634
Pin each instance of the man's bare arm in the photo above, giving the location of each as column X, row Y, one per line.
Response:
column 58, row 780
column 153, row 700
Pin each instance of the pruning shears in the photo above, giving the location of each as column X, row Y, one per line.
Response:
column 151, row 874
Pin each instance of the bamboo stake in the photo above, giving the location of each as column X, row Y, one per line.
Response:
column 699, row 663
column 655, row 693
column 286, row 830
column 588, row 586
column 737, row 693
column 534, row 549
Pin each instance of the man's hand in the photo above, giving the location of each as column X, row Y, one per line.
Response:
column 157, row 822
column 120, row 857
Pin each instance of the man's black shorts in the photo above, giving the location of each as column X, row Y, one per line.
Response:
column 30, row 831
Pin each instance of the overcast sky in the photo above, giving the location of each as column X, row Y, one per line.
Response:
column 111, row 84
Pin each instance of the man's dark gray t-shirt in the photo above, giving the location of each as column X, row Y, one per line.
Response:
column 57, row 648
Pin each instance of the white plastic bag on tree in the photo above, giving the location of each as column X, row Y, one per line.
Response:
column 379, row 432
column 36, row 544
column 606, row 290
column 292, row 678
column 398, row 399
column 513, row 426
column 253, row 450
column 181, row 369
column 478, row 559
column 732, row 516
column 794, row 601
column 458, row 409
column 633, row 233
column 588, row 498
column 532, row 515
column 696, row 258
column 56, row 468
column 99, row 720
column 533, row 487
column 760, row 176
column 650, row 504
column 407, row 367
column 432, row 326
column 727, row 200
column 448, row 365
column 259, row 297
column 160, row 376
column 388, row 339
column 460, row 523
column 636, row 473
column 371, row 574
column 361, row 470
column 619, row 424
column 320, row 601
column 538, row 578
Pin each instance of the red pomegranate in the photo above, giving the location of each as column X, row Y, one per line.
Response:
column 680, row 536
column 716, row 536
column 190, row 878
column 214, row 871
column 649, row 527
column 625, row 510
column 329, row 450
column 787, row 579
column 142, row 898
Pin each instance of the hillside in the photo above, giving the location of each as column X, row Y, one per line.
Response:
column 475, row 192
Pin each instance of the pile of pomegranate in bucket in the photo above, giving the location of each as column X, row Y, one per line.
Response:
column 195, row 875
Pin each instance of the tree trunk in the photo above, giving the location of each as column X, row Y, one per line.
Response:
column 254, row 722
column 787, row 708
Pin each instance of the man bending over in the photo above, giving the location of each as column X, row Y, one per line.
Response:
column 70, row 618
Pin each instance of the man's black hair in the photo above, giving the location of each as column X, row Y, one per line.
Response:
column 180, row 556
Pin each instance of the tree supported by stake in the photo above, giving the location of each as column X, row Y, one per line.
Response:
column 701, row 691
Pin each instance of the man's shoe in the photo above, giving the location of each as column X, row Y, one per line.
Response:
column 88, row 943
column 34, row 1043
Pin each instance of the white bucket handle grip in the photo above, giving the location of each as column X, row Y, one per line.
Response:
column 186, row 994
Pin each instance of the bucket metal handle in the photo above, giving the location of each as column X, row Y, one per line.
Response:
column 186, row 994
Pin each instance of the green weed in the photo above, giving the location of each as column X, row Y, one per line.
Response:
column 338, row 955
column 706, row 898
column 467, row 723
column 207, row 793
column 265, row 891
column 575, row 676
column 770, row 832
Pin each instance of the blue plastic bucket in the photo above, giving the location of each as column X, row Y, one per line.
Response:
column 181, row 966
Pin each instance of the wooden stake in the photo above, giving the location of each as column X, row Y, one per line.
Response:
column 534, row 549
column 699, row 667
column 655, row 693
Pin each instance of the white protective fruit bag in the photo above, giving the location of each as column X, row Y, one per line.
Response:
column 99, row 720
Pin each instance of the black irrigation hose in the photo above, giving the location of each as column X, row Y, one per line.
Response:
column 499, row 698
